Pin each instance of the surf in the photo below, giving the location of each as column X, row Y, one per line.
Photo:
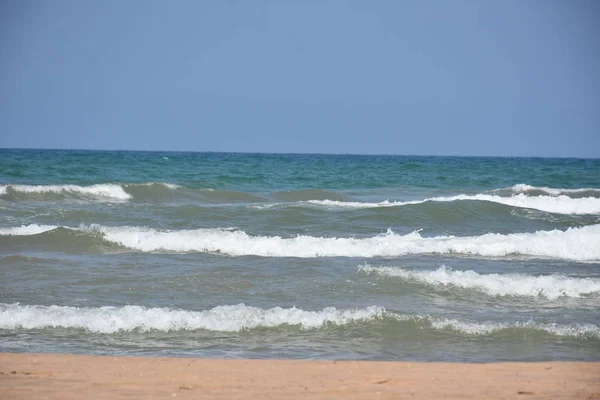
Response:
column 551, row 287
column 553, row 204
column 111, row 320
column 574, row 244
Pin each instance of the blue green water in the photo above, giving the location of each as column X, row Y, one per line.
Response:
column 299, row 256
column 274, row 172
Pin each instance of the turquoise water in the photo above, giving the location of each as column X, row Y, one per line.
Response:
column 299, row 256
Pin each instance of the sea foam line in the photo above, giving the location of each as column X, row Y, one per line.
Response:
column 552, row 204
column 576, row 244
column 236, row 318
column 551, row 287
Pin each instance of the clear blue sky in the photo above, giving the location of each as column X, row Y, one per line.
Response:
column 445, row 77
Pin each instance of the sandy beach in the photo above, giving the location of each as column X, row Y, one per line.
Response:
column 54, row 376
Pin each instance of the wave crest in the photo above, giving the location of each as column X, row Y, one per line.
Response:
column 236, row 318
column 552, row 204
column 221, row 318
column 26, row 230
column 551, row 287
column 104, row 191
column 576, row 244
column 528, row 189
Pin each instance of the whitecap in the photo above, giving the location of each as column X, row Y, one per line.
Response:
column 577, row 244
column 525, row 188
column 25, row 230
column 552, row 204
column 550, row 286
column 240, row 317
column 227, row 318
column 105, row 191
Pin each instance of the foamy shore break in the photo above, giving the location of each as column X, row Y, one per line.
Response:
column 53, row 376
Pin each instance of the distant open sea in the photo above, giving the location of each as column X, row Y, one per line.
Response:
column 299, row 256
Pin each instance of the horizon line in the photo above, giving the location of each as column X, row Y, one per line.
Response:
column 287, row 153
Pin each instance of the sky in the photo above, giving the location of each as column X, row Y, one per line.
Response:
column 421, row 77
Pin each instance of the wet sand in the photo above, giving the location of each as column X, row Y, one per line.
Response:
column 56, row 376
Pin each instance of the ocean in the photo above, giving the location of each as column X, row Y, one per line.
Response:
column 354, row 257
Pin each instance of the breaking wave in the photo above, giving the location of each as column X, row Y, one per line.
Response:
column 559, row 201
column 536, row 190
column 488, row 328
column 552, row 204
column 26, row 230
column 124, row 192
column 222, row 318
column 105, row 191
column 236, row 318
column 576, row 244
column 551, row 286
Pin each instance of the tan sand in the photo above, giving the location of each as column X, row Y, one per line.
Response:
column 52, row 376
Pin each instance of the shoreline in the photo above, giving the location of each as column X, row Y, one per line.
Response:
column 65, row 376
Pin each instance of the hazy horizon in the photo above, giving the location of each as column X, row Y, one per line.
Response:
column 288, row 153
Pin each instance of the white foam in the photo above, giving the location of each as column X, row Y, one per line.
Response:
column 551, row 287
column 165, row 184
column 524, row 188
column 235, row 318
column 24, row 230
column 106, row 191
column 553, row 204
column 488, row 328
column 578, row 244
column 222, row 318
column 358, row 204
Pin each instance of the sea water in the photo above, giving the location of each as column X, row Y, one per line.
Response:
column 299, row 256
